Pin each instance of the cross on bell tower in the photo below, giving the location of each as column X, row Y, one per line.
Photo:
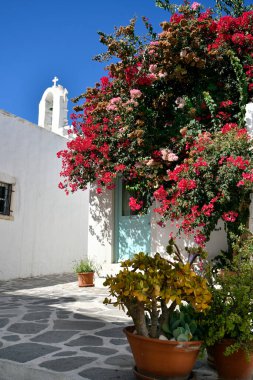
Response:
column 53, row 109
column 55, row 80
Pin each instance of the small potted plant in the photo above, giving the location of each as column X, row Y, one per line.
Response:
column 229, row 321
column 85, row 270
column 149, row 289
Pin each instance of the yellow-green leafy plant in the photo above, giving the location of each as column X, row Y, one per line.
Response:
column 149, row 288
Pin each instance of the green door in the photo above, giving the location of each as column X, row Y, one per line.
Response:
column 132, row 232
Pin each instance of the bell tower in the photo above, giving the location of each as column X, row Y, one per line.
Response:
column 53, row 109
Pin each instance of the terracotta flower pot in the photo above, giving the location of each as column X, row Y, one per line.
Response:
column 232, row 367
column 85, row 279
column 162, row 358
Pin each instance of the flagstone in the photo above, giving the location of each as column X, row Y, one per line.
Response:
column 3, row 322
column 100, row 350
column 78, row 325
column 24, row 352
column 11, row 338
column 35, row 316
column 63, row 365
column 90, row 340
column 121, row 360
column 26, row 328
column 55, row 336
column 115, row 332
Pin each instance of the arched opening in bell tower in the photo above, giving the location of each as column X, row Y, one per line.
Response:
column 49, row 106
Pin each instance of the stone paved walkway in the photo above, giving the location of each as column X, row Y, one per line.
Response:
column 50, row 329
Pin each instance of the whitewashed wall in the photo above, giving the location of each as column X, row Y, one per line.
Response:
column 49, row 230
column 160, row 236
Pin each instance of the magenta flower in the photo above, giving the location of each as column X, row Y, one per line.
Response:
column 230, row 216
column 134, row 204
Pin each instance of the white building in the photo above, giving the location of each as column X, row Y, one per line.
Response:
column 42, row 231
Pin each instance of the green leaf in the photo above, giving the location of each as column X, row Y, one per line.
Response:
column 178, row 331
column 182, row 338
column 166, row 329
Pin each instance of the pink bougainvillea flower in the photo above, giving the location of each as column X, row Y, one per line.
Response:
column 228, row 127
column 134, row 204
column 160, row 194
column 238, row 161
column 152, row 68
column 119, row 168
column 226, row 103
column 135, row 93
column 200, row 239
column 230, row 216
column 208, row 209
column 116, row 100
column 195, row 6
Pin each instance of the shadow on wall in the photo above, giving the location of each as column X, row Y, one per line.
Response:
column 160, row 237
column 101, row 216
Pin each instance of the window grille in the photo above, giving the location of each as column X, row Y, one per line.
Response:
column 5, row 198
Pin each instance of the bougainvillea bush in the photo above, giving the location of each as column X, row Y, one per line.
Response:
column 169, row 119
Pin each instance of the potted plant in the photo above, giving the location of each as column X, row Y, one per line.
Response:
column 149, row 289
column 229, row 321
column 85, row 270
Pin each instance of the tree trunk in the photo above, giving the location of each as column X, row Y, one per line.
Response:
column 137, row 313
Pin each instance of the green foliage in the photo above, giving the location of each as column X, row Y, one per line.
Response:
column 166, row 5
column 231, row 7
column 83, row 266
column 212, row 106
column 242, row 86
column 183, row 325
column 231, row 312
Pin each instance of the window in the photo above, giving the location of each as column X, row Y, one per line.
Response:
column 126, row 211
column 5, row 198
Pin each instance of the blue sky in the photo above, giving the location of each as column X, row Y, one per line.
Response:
column 43, row 38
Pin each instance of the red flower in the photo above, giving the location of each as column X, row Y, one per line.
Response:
column 200, row 239
column 119, row 168
column 228, row 127
column 208, row 209
column 238, row 39
column 160, row 194
column 134, row 204
column 230, row 216
column 186, row 184
column 238, row 161
column 226, row 103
